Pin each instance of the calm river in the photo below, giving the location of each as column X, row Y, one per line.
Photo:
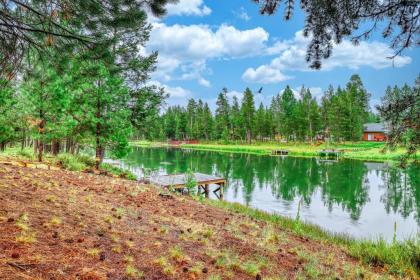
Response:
column 363, row 199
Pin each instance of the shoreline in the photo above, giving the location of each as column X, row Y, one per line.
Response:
column 354, row 151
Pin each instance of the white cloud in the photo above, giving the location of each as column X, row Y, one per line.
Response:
column 236, row 93
column 188, row 7
column 184, row 50
column 264, row 74
column 242, row 14
column 291, row 57
column 204, row 82
column 174, row 92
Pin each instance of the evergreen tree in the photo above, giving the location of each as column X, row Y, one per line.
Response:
column 236, row 119
column 7, row 121
column 222, row 116
column 288, row 113
column 260, row 122
column 191, row 118
column 307, row 116
column 400, row 110
column 247, row 113
column 208, row 124
column 46, row 97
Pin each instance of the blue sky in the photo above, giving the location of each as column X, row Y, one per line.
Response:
column 205, row 45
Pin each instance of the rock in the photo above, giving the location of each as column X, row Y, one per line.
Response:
column 205, row 270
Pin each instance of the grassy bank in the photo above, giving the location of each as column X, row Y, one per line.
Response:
column 373, row 151
column 72, row 162
column 97, row 227
column 399, row 257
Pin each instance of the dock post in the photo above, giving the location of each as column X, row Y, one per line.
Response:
column 206, row 191
column 221, row 190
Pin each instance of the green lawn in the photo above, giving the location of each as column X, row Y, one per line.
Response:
column 355, row 150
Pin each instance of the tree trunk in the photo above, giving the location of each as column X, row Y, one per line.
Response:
column 68, row 144
column 99, row 152
column 41, row 127
column 35, row 147
column 55, row 147
column 2, row 146
column 248, row 136
column 22, row 143
column 40, row 151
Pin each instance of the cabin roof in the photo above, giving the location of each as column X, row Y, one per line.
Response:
column 374, row 127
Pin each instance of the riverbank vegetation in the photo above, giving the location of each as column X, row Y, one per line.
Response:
column 95, row 227
column 371, row 151
column 82, row 162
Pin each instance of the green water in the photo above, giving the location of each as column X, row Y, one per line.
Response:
column 363, row 199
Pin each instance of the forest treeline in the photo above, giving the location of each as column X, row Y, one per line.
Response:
column 339, row 116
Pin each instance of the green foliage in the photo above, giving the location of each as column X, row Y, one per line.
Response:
column 400, row 257
column 118, row 171
column 190, row 182
column 247, row 113
column 339, row 117
column 6, row 105
column 400, row 109
column 71, row 162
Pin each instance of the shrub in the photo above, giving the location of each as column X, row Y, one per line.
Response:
column 71, row 162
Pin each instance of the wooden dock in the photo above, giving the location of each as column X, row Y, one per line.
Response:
column 178, row 181
column 279, row 152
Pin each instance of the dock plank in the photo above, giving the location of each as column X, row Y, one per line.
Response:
column 179, row 180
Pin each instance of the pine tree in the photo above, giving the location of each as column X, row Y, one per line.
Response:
column 247, row 113
column 260, row 122
column 191, row 118
column 236, row 119
column 208, row 124
column 7, row 106
column 222, row 116
column 287, row 113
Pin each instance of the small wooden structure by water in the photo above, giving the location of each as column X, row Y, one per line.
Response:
column 279, row 152
column 330, row 153
column 178, row 181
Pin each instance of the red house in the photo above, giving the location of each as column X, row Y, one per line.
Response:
column 375, row 132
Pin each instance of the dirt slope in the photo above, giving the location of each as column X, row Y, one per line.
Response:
column 56, row 224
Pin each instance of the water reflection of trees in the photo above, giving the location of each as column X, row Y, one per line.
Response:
column 402, row 191
column 342, row 183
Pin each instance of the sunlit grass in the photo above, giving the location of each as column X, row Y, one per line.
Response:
column 355, row 150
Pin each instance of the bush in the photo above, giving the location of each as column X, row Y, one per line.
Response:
column 71, row 162
column 26, row 153
column 87, row 160
column 118, row 171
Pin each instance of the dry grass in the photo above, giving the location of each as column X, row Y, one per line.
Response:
column 85, row 226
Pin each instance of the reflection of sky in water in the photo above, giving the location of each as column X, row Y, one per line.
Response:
column 361, row 199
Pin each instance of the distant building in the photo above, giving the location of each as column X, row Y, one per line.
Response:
column 181, row 142
column 375, row 132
